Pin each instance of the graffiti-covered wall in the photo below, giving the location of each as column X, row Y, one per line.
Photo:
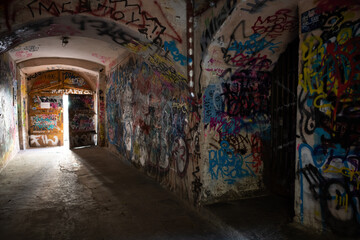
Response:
column 9, row 144
column 237, row 121
column 148, row 122
column 238, row 44
column 328, row 185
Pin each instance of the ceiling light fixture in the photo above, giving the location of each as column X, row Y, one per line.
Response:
column 65, row 41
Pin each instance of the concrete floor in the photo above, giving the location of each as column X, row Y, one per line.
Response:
column 88, row 193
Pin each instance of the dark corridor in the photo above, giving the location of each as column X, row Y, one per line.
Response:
column 280, row 171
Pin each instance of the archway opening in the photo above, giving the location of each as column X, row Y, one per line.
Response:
column 47, row 108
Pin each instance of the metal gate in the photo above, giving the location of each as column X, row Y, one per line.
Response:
column 283, row 122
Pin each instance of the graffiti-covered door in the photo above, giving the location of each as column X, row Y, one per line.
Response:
column 81, row 121
column 45, row 120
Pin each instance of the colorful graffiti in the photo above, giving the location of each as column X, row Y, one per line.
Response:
column 231, row 98
column 46, row 79
column 228, row 165
column 237, row 117
column 274, row 25
column 102, row 112
column 74, row 80
column 45, row 122
column 82, row 102
column 253, row 51
column 329, row 103
column 8, row 113
column 333, row 180
column 46, row 102
column 175, row 52
column 164, row 70
column 122, row 22
column 81, row 122
column 128, row 13
column 151, row 122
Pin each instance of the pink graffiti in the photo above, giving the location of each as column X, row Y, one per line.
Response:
column 23, row 54
column 331, row 5
column 113, row 63
column 252, row 62
column 218, row 71
column 337, row 56
column 177, row 36
column 212, row 61
column 103, row 59
column 256, row 149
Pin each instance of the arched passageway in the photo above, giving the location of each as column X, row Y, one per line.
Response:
column 184, row 91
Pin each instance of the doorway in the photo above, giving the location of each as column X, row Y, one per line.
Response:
column 281, row 166
column 66, row 121
column 61, row 110
column 82, row 121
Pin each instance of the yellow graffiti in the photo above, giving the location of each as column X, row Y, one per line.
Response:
column 343, row 201
column 344, row 35
column 23, row 89
column 312, row 53
column 324, row 107
column 312, row 48
column 137, row 47
column 319, row 72
column 309, row 81
column 166, row 71
column 182, row 106
column 136, row 149
column 351, row 174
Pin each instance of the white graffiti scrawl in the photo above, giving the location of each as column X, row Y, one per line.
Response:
column 41, row 140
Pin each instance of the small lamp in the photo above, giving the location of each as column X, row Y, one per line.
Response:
column 65, row 41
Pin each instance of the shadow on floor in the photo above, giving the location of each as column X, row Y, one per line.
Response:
column 265, row 217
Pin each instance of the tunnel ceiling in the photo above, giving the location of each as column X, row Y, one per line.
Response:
column 102, row 31
column 78, row 48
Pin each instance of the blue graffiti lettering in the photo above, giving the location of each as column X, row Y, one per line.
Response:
column 228, row 165
column 253, row 45
column 177, row 56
